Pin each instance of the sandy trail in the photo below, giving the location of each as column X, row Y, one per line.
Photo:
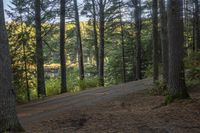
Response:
column 37, row 112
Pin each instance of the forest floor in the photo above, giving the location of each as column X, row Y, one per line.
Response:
column 117, row 109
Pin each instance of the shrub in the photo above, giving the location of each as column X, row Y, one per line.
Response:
column 89, row 83
column 53, row 86
column 148, row 72
column 159, row 89
column 192, row 63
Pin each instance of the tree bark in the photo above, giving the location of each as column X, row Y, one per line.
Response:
column 101, row 48
column 177, row 87
column 138, row 26
column 95, row 35
column 155, row 41
column 197, row 32
column 39, row 51
column 62, row 47
column 8, row 115
column 122, row 44
column 79, row 41
column 164, row 40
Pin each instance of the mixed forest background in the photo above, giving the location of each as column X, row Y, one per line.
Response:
column 59, row 46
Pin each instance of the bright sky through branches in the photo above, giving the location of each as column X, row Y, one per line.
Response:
column 6, row 3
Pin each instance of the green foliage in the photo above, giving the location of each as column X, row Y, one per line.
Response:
column 53, row 86
column 192, row 63
column 75, row 84
column 114, row 67
column 149, row 71
column 72, row 80
column 89, row 83
column 21, row 95
column 159, row 89
column 193, row 60
column 22, row 33
column 22, row 54
column 33, row 93
column 193, row 74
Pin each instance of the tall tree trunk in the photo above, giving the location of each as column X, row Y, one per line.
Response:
column 62, row 47
column 186, row 23
column 122, row 44
column 132, row 25
column 8, row 115
column 95, row 35
column 193, row 32
column 101, row 48
column 25, row 61
column 138, row 26
column 26, row 74
column 79, row 42
column 164, row 40
column 39, row 51
column 155, row 41
column 197, row 32
column 177, row 87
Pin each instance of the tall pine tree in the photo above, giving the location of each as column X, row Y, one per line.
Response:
column 177, row 86
column 8, row 115
column 39, row 51
column 62, row 47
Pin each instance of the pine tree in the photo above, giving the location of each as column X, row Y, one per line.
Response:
column 102, row 41
column 155, row 41
column 62, row 47
column 39, row 51
column 177, row 87
column 8, row 115
column 138, row 27
column 79, row 42
column 21, row 40
column 95, row 33
column 197, row 32
column 122, row 42
column 164, row 40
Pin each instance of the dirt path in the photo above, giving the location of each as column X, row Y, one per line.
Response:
column 37, row 112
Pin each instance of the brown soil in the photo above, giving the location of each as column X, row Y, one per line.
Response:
column 135, row 113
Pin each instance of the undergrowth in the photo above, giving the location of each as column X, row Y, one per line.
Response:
column 158, row 89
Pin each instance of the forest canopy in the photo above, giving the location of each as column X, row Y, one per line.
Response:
column 89, row 43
